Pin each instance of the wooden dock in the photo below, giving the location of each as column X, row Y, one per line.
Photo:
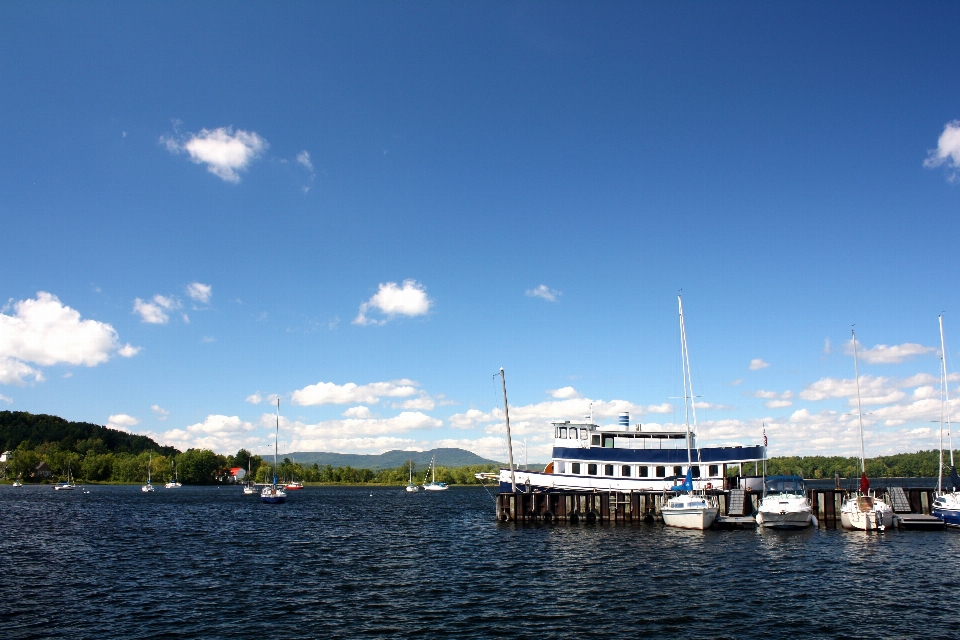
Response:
column 737, row 506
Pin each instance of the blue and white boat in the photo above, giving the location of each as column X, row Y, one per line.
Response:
column 274, row 493
column 946, row 505
column 630, row 457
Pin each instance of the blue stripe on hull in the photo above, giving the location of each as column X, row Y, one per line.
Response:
column 950, row 517
column 661, row 456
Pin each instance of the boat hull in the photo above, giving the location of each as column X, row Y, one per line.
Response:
column 435, row 487
column 866, row 520
column 273, row 499
column 689, row 518
column 785, row 520
column 950, row 517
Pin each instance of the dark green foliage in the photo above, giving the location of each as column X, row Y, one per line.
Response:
column 18, row 426
column 922, row 464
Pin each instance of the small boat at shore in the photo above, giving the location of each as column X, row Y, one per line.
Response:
column 785, row 504
column 410, row 486
column 68, row 485
column 175, row 481
column 148, row 488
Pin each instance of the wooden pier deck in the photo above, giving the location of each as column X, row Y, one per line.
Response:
column 737, row 506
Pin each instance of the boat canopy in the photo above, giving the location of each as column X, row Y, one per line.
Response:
column 785, row 484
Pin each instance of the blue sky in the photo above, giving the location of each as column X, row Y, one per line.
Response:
column 367, row 209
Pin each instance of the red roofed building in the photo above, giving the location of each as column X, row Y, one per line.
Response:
column 237, row 474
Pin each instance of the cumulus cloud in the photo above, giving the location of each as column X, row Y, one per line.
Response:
column 948, row 150
column 254, row 398
column 303, row 158
column 352, row 393
column 391, row 300
column 774, row 400
column 159, row 411
column 358, row 412
column 128, row 351
column 223, row 434
column 423, row 403
column 200, row 292
column 758, row 363
column 224, row 152
column 563, row 393
column 155, row 311
column 884, row 354
column 317, row 437
column 122, row 422
column 545, row 292
column 873, row 390
column 778, row 404
column 6, row 399
column 45, row 332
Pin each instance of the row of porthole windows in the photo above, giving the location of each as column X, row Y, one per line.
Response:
column 629, row 470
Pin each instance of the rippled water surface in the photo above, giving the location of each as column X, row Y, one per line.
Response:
column 336, row 562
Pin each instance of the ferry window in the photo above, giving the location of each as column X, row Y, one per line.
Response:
column 595, row 441
column 562, row 467
column 661, row 472
column 678, row 471
column 583, row 434
column 608, row 469
column 625, row 472
column 592, row 469
column 713, row 470
column 644, row 472
column 696, row 471
column 573, row 433
column 562, row 432
column 575, row 467
column 608, row 442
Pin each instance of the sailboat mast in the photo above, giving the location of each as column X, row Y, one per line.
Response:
column 276, row 445
column 687, row 388
column 946, row 393
column 506, row 414
column 856, row 370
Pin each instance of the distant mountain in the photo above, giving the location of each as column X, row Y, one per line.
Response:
column 446, row 457
column 36, row 429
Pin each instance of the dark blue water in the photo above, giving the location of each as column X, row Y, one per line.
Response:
column 341, row 562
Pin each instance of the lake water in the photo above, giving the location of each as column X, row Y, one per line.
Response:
column 379, row 562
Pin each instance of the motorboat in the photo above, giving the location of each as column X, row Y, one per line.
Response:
column 785, row 504
column 293, row 485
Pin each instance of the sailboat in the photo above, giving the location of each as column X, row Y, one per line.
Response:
column 250, row 486
column 412, row 487
column 863, row 511
column 64, row 486
column 294, row 485
column 148, row 488
column 433, row 485
column 687, row 510
column 17, row 483
column 946, row 505
column 274, row 494
column 175, row 482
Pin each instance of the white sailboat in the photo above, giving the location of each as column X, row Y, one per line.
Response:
column 274, row 493
column 946, row 504
column 412, row 487
column 63, row 486
column 250, row 486
column 863, row 511
column 148, row 488
column 433, row 485
column 785, row 504
column 174, row 482
column 688, row 511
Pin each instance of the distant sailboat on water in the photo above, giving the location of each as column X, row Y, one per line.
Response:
column 274, row 493
column 433, row 485
column 410, row 486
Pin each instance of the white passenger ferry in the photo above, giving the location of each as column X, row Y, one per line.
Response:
column 625, row 457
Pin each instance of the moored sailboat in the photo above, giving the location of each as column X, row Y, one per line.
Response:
column 946, row 504
column 148, row 488
column 410, row 486
column 433, row 485
column 174, row 481
column 688, row 511
column 68, row 485
column 274, row 493
column 863, row 511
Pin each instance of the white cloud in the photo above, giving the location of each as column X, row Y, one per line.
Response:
column 224, row 152
column 352, row 393
column 223, row 434
column 200, row 292
column 155, row 311
column 321, row 436
column 884, row 354
column 778, row 404
column 358, row 412
column 827, row 346
column 470, row 419
column 545, row 292
column 128, row 351
column 4, row 398
column 758, row 363
column 947, row 151
column 122, row 422
column 563, row 393
column 873, row 390
column 407, row 300
column 303, row 158
column 254, row 398
column 45, row 332
column 665, row 407
column 159, row 411
column 423, row 403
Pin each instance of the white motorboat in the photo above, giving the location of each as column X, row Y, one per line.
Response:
column 274, row 493
column 412, row 487
column 785, row 504
column 688, row 511
column 863, row 511
column 148, row 488
column 68, row 485
column 433, row 485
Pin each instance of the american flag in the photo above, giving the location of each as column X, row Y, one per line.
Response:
column 764, row 436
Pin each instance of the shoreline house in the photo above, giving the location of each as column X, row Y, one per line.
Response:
column 41, row 472
column 237, row 474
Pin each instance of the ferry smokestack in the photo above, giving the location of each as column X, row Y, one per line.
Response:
column 625, row 420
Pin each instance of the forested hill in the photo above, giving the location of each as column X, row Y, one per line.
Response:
column 17, row 427
column 446, row 457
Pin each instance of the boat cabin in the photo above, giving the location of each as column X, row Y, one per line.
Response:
column 785, row 484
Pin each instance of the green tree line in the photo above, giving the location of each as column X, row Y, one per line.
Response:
column 922, row 464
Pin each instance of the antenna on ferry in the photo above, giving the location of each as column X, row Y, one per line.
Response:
column 506, row 414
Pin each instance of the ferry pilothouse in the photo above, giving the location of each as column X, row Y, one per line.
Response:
column 625, row 457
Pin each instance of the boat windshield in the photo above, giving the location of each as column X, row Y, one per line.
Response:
column 786, row 484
